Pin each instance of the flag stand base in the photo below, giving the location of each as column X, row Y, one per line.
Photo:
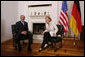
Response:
column 74, row 43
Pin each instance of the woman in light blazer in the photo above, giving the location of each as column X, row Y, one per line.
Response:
column 51, row 30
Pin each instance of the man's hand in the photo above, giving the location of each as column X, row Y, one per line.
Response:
column 24, row 32
column 43, row 32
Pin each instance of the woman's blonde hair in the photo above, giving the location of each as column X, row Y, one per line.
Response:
column 48, row 18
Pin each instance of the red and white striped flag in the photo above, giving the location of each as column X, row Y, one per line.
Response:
column 64, row 17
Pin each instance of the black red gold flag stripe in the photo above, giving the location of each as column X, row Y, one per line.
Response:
column 75, row 21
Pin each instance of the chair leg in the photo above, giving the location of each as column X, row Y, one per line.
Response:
column 55, row 49
column 61, row 45
column 23, row 42
column 13, row 42
column 14, row 45
column 54, row 46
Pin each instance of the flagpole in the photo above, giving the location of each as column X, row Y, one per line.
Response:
column 74, row 41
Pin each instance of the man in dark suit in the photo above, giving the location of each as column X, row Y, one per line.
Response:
column 23, row 33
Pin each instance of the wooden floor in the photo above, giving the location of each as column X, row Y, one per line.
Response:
column 68, row 49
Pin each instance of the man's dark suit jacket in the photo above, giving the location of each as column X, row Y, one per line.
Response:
column 20, row 27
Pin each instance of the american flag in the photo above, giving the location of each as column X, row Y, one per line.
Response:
column 64, row 16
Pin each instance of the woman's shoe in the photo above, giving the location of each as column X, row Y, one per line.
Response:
column 43, row 48
column 40, row 50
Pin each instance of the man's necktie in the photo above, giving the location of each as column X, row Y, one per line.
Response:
column 23, row 23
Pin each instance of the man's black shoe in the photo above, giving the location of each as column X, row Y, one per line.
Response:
column 19, row 49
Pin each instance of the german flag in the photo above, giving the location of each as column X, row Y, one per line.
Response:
column 75, row 21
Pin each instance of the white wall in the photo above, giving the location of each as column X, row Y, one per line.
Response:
column 9, row 15
column 82, row 11
column 11, row 11
column 56, row 7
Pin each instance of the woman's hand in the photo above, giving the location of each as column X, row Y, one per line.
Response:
column 54, row 35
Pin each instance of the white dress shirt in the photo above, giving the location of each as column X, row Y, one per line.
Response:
column 22, row 22
column 51, row 28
